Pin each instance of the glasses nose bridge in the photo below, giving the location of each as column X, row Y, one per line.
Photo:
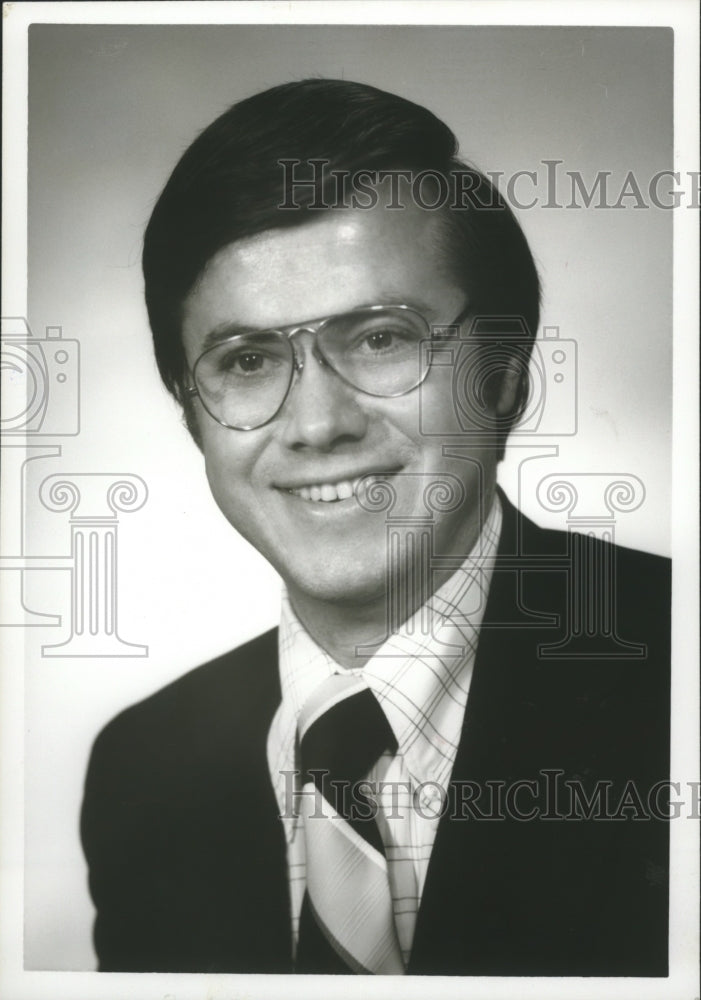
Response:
column 314, row 328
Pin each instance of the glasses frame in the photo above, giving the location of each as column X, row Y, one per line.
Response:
column 315, row 327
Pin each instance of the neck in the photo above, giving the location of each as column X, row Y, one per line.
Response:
column 352, row 632
column 349, row 634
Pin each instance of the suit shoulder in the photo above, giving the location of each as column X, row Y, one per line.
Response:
column 535, row 539
column 630, row 588
column 233, row 694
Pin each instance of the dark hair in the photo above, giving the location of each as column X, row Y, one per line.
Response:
column 229, row 184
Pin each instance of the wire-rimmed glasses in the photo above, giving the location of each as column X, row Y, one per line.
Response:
column 243, row 381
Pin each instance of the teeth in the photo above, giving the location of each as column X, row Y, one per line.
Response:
column 330, row 492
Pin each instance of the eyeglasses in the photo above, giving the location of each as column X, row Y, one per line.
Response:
column 243, row 381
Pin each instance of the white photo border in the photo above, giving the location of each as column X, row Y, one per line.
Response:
column 681, row 15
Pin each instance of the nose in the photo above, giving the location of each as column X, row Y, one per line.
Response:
column 321, row 411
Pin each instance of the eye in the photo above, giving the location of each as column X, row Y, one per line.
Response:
column 385, row 340
column 380, row 340
column 258, row 358
column 244, row 362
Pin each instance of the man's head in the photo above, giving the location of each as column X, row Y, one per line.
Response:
column 236, row 243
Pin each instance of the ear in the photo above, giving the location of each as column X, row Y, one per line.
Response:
column 513, row 389
column 190, row 419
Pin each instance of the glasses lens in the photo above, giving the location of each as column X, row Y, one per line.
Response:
column 377, row 350
column 243, row 381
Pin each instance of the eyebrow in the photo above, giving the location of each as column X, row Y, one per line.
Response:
column 225, row 331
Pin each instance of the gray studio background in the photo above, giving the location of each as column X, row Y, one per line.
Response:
column 110, row 110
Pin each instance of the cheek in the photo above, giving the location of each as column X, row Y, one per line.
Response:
column 459, row 398
column 228, row 466
column 438, row 413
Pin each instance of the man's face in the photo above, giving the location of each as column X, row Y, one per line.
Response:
column 328, row 432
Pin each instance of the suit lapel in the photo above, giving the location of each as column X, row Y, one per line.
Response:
column 453, row 932
column 252, row 899
column 265, row 924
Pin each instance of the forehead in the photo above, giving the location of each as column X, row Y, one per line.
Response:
column 344, row 259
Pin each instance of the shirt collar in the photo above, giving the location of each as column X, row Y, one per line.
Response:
column 420, row 675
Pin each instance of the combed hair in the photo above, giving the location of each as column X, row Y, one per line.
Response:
column 229, row 185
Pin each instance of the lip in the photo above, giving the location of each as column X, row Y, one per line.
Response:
column 333, row 479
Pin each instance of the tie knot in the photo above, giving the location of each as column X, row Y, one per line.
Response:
column 343, row 731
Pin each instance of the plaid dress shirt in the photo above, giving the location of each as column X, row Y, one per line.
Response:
column 421, row 678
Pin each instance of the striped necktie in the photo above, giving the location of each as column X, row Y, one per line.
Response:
column 347, row 921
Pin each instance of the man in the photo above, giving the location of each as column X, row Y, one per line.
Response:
column 374, row 788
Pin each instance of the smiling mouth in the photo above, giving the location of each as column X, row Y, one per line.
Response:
column 344, row 489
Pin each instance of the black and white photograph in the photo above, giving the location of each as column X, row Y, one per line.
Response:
column 349, row 563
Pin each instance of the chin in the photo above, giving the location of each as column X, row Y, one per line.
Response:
column 343, row 585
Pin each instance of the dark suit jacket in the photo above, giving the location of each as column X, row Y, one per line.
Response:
column 187, row 855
